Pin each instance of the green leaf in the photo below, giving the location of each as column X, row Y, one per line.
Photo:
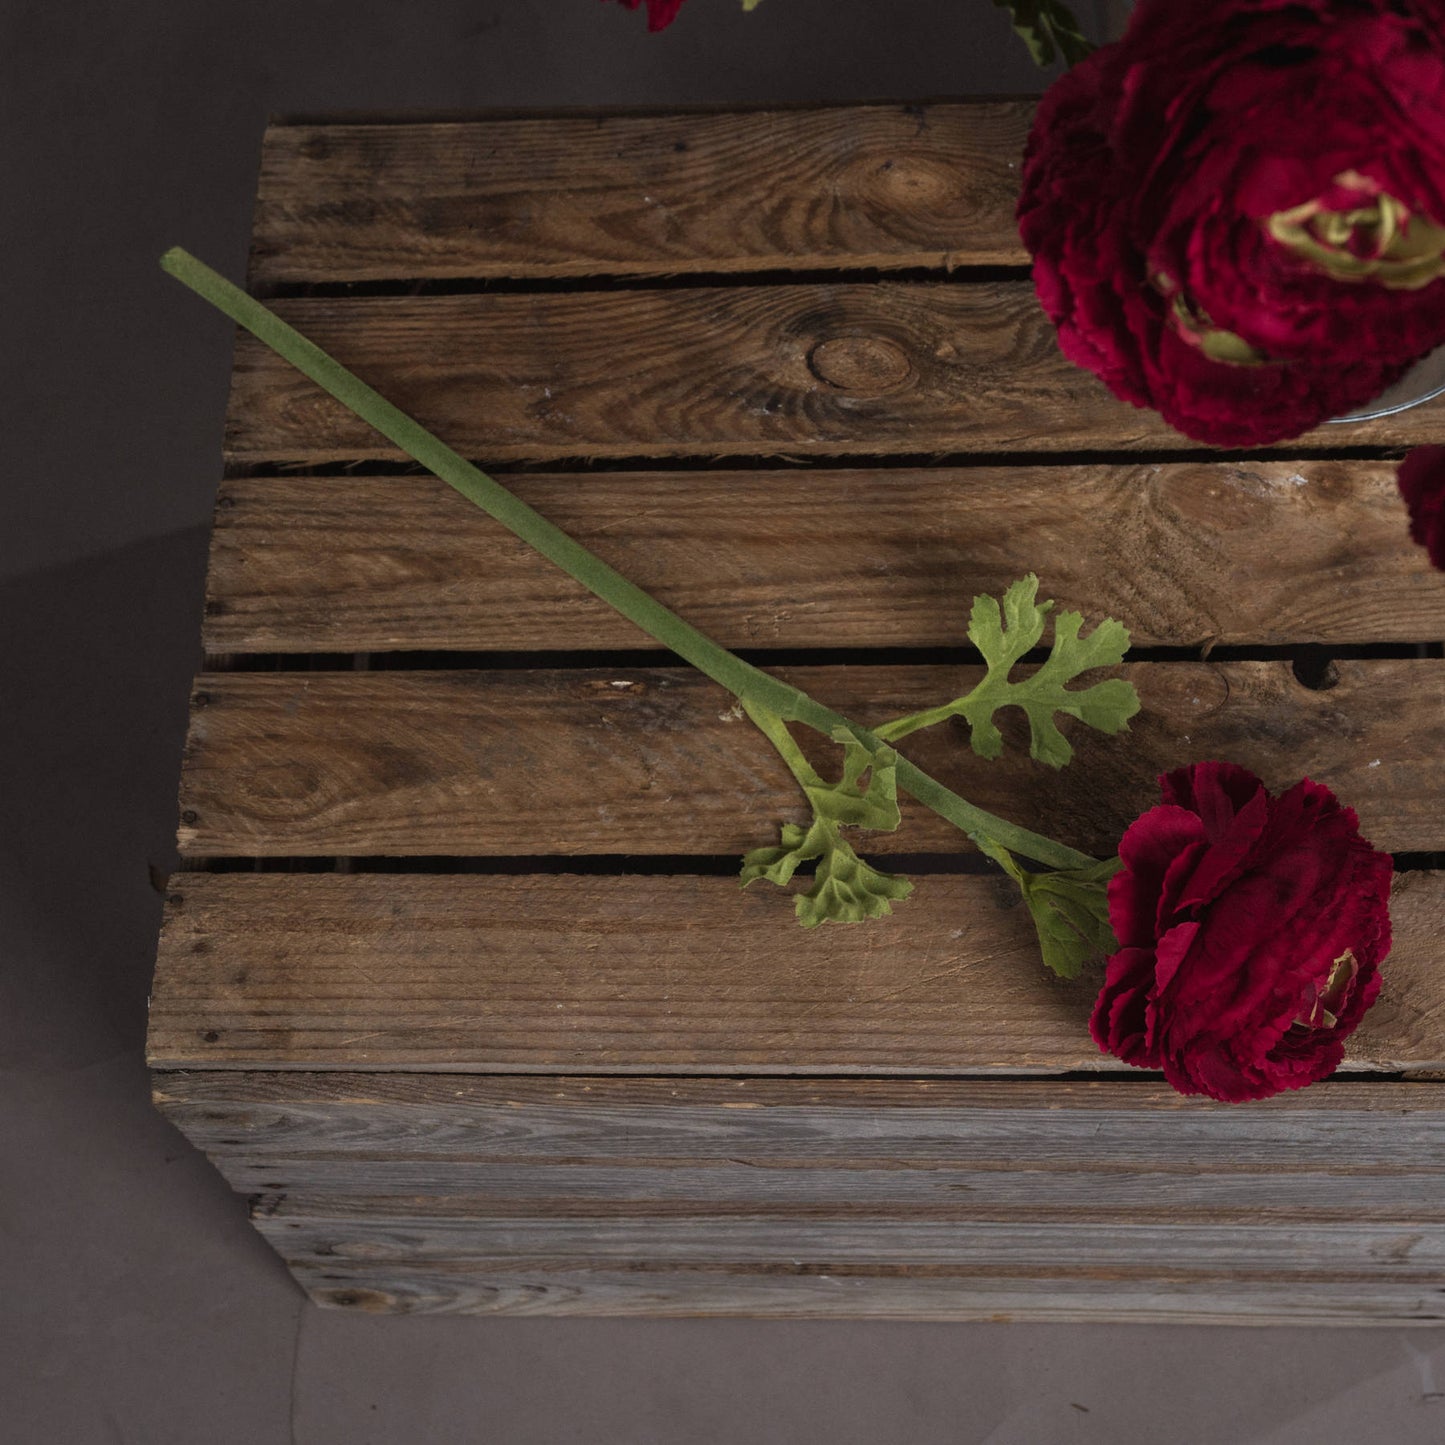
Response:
column 875, row 806
column 848, row 890
column 751, row 4
column 845, row 889
column 1070, row 909
column 1071, row 915
column 1005, row 637
column 778, row 865
column 1049, row 29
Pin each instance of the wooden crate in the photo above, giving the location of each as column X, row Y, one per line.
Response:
column 458, row 986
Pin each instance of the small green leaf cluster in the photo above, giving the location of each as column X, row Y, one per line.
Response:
column 1069, row 907
column 845, row 888
column 1049, row 29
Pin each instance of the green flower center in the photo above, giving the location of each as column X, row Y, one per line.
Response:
column 1379, row 240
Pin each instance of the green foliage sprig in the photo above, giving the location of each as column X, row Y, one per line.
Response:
column 1066, row 902
column 1049, row 29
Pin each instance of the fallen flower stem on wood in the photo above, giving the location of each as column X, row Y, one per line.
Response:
column 750, row 685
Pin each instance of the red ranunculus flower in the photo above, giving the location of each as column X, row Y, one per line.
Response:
column 660, row 13
column 1237, row 212
column 1422, row 484
column 1251, row 930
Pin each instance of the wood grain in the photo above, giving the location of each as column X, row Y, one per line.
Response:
column 661, row 974
column 809, row 371
column 912, row 1197
column 1233, row 552
column 627, row 195
column 1407, row 1252
column 654, row 760
column 1097, row 1125
column 833, row 1292
column 534, row 1211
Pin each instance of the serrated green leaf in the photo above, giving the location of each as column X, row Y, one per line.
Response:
column 1069, row 908
column 1004, row 637
column 875, row 806
column 1049, row 29
column 848, row 890
column 845, row 889
column 779, row 864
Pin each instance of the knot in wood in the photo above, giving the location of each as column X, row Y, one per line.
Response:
column 863, row 365
column 914, row 184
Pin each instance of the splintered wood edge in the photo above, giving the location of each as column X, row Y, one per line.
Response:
column 658, row 975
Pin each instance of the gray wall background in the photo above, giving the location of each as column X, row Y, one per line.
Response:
column 136, row 1304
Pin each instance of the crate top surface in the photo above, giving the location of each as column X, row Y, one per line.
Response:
column 444, row 810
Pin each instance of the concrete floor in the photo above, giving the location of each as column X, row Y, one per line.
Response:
column 136, row 1304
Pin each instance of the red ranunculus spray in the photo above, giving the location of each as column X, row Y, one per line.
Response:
column 1244, row 932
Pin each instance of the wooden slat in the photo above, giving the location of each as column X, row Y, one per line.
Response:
column 658, row 761
column 1069, row 1125
column 875, row 186
column 492, row 1203
column 957, row 1198
column 1234, row 552
column 709, row 372
column 837, row 1292
column 1348, row 1252
column 670, row 974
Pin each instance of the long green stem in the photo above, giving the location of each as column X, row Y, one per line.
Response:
column 776, row 731
column 746, row 682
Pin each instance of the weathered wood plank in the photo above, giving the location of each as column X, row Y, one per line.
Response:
column 708, row 372
column 1343, row 1126
column 657, row 975
column 1234, row 552
column 537, row 1210
column 626, row 195
column 657, row 760
column 523, row 1288
column 1346, row 1252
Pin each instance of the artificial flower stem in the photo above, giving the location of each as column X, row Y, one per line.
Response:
column 776, row 731
column 900, row 727
column 750, row 685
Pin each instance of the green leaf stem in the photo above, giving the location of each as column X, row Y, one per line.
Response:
column 1003, row 638
column 844, row 887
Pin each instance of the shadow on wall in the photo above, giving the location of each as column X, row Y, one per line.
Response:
column 95, row 669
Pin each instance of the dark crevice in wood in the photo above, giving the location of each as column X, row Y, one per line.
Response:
column 1419, row 862
column 1140, row 1079
column 660, row 281
column 830, row 462
column 601, row 864
column 920, row 865
column 600, row 114
column 1311, row 663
